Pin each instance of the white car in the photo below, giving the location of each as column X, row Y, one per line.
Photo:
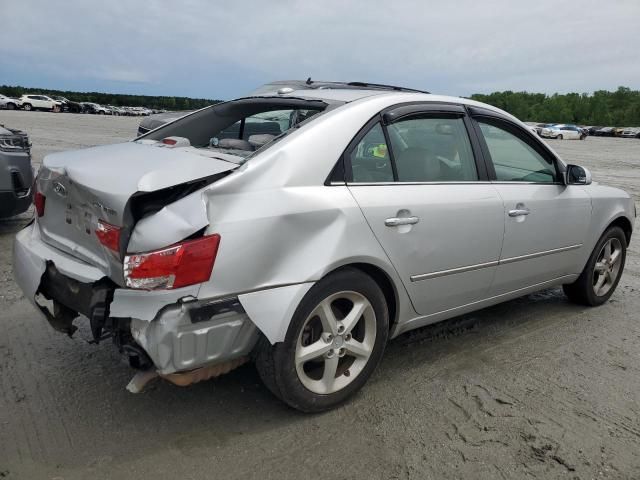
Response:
column 562, row 131
column 8, row 102
column 39, row 102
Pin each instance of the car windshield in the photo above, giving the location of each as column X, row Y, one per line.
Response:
column 243, row 127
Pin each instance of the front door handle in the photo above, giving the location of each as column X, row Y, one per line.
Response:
column 518, row 212
column 397, row 221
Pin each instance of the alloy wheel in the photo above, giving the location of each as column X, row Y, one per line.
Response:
column 607, row 267
column 335, row 342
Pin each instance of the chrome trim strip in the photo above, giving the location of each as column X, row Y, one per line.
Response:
column 453, row 182
column 453, row 271
column 504, row 261
column 539, row 254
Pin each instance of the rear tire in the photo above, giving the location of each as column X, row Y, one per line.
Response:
column 601, row 275
column 11, row 106
column 27, row 107
column 334, row 343
column 559, row 137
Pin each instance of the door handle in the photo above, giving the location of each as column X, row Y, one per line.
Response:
column 519, row 212
column 397, row 221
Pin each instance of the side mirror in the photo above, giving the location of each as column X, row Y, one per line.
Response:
column 577, row 175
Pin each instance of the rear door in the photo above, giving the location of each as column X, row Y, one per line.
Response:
column 414, row 174
column 545, row 220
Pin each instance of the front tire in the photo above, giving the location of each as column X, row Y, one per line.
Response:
column 334, row 343
column 601, row 275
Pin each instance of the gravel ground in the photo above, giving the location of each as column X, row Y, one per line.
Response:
column 533, row 388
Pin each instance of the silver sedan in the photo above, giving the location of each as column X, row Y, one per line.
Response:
column 302, row 228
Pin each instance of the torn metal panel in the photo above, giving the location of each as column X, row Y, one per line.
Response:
column 185, row 217
column 186, row 336
column 145, row 304
column 271, row 310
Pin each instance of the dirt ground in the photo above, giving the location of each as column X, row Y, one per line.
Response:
column 533, row 388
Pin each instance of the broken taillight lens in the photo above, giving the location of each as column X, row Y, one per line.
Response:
column 109, row 235
column 39, row 201
column 179, row 265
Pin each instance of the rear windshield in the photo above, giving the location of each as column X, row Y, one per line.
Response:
column 242, row 127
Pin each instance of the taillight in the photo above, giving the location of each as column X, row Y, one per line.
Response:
column 39, row 201
column 179, row 265
column 109, row 235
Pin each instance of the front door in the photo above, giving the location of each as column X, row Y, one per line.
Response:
column 546, row 221
column 422, row 192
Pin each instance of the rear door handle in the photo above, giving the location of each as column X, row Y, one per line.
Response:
column 397, row 221
column 518, row 212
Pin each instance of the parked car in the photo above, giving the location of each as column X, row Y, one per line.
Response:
column 202, row 244
column 16, row 175
column 68, row 105
column 94, row 108
column 39, row 102
column 605, row 132
column 8, row 103
column 631, row 132
column 593, row 130
column 563, row 131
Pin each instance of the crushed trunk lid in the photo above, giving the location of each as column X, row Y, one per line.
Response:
column 84, row 186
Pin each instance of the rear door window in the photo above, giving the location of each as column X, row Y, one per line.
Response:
column 432, row 149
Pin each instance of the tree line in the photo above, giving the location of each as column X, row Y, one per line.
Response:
column 617, row 108
column 116, row 99
column 620, row 108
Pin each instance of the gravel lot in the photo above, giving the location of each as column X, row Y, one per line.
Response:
column 534, row 388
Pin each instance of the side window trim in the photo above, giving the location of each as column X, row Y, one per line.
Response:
column 522, row 135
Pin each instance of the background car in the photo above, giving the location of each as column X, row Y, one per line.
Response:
column 8, row 103
column 632, row 132
column 39, row 102
column 605, row 132
column 563, row 132
column 16, row 174
column 96, row 109
column 68, row 105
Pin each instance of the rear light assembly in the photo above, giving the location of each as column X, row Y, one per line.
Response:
column 39, row 201
column 109, row 235
column 180, row 265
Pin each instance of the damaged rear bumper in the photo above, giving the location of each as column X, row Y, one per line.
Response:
column 170, row 331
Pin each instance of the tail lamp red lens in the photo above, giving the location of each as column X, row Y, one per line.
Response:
column 109, row 235
column 180, row 265
column 39, row 201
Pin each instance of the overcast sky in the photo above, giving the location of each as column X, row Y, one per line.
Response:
column 216, row 49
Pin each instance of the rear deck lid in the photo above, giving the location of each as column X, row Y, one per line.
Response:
column 84, row 186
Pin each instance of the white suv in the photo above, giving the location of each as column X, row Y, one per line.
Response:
column 39, row 102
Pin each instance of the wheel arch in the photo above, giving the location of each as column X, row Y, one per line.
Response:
column 383, row 280
column 625, row 224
